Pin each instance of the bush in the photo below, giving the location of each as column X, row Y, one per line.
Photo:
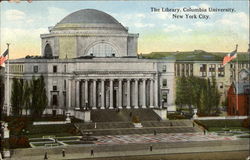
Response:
column 18, row 142
column 176, row 116
column 246, row 123
column 135, row 119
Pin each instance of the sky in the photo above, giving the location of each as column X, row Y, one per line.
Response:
column 22, row 23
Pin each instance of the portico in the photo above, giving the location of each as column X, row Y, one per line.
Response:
column 113, row 92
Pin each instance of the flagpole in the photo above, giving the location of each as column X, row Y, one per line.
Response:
column 8, row 82
column 237, row 81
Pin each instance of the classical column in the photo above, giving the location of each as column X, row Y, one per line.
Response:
column 111, row 81
column 94, row 94
column 136, row 93
column 156, row 90
column 120, row 94
column 103, row 95
column 86, row 92
column 128, row 93
column 77, row 94
column 151, row 93
column 144, row 93
column 69, row 93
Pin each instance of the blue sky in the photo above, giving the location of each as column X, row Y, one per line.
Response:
column 22, row 23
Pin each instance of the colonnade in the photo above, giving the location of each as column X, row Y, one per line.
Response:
column 113, row 93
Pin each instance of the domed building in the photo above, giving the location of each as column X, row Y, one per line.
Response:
column 89, row 60
column 89, row 32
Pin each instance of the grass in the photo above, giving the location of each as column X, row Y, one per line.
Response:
column 215, row 129
column 221, row 125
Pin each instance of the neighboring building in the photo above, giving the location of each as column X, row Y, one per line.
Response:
column 89, row 60
column 239, row 95
column 204, row 64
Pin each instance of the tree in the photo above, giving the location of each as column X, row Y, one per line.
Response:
column 1, row 92
column 198, row 92
column 181, row 92
column 27, row 96
column 39, row 99
column 17, row 96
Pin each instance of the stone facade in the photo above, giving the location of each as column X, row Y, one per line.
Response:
column 92, row 63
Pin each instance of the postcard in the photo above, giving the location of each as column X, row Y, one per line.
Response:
column 124, row 80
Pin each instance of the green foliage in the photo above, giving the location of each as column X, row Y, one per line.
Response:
column 199, row 93
column 18, row 142
column 17, row 96
column 29, row 95
column 1, row 91
column 39, row 99
column 173, row 116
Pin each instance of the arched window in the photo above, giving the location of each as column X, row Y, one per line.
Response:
column 48, row 51
column 102, row 50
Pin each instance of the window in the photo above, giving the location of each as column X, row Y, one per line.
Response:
column 65, row 68
column 64, row 99
column 164, row 83
column 64, row 85
column 164, row 68
column 54, row 100
column 221, row 85
column 203, row 70
column 102, row 50
column 165, row 96
column 54, row 88
column 212, row 70
column 35, row 69
column 221, row 71
column 54, row 69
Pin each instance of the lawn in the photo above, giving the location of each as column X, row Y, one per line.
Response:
column 222, row 125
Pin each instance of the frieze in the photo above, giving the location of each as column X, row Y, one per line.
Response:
column 113, row 72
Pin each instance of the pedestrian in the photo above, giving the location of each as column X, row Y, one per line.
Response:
column 63, row 152
column 46, row 156
column 151, row 148
column 204, row 131
column 92, row 152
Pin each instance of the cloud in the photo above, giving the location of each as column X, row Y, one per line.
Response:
column 143, row 25
column 175, row 28
column 14, row 15
column 23, row 41
column 163, row 15
column 201, row 24
column 56, row 14
column 18, row 35
column 239, row 19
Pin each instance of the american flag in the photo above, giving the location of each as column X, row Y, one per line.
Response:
column 230, row 56
column 3, row 57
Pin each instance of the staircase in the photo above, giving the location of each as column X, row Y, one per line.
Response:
column 149, row 127
column 123, row 115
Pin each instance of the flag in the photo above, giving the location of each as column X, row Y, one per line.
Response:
column 3, row 57
column 230, row 56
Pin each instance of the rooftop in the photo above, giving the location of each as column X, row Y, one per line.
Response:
column 196, row 55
